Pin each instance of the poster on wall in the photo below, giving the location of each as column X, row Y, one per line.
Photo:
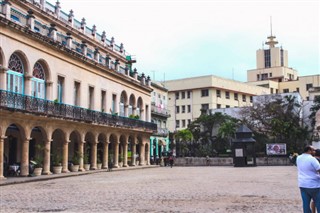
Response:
column 276, row 149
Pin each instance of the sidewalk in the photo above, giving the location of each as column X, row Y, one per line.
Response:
column 18, row 180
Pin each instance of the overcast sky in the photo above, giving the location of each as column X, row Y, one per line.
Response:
column 174, row 39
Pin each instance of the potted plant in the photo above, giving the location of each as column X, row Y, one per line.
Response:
column 56, row 162
column 38, row 166
column 75, row 162
column 38, row 160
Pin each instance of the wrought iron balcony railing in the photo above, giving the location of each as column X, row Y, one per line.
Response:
column 18, row 102
column 160, row 111
column 163, row 132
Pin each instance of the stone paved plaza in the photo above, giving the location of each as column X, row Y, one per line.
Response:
column 163, row 189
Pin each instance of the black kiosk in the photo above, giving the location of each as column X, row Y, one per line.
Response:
column 243, row 148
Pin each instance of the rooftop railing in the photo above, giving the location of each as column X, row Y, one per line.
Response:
column 18, row 102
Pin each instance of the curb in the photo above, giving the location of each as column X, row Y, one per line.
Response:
column 21, row 180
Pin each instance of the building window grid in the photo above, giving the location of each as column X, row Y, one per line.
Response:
column 204, row 93
column 183, row 95
column 236, row 96
column 188, row 94
column 227, row 95
column 218, row 93
column 183, row 109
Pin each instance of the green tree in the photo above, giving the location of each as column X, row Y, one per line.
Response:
column 205, row 129
column 314, row 109
column 279, row 119
column 183, row 137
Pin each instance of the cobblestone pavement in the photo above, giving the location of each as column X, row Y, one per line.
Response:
column 163, row 189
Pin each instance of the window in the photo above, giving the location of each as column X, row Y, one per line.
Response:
column 218, row 106
column 227, row 106
column 264, row 76
column 91, row 98
column 113, row 105
column 285, row 90
column 251, row 99
column 183, row 109
column 183, row 123
column 270, row 74
column 38, row 81
column 204, row 92
column 271, row 90
column 177, row 124
column 188, row 94
column 60, row 88
column 103, row 101
column 218, row 93
column 244, row 98
column 189, row 108
column 204, row 106
column 76, row 95
column 177, row 109
column 308, row 86
column 298, row 90
column 227, row 95
column 258, row 77
column 15, row 78
column 189, row 122
column 267, row 58
column 177, row 95
column 183, row 95
column 236, row 96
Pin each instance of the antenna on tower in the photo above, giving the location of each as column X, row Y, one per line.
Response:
column 271, row 24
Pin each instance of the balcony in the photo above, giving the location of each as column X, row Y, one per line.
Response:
column 160, row 111
column 162, row 132
column 28, row 104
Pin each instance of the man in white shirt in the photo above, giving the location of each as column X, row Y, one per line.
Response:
column 309, row 178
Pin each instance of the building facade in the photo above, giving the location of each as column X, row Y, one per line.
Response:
column 159, row 141
column 273, row 72
column 68, row 89
column 188, row 97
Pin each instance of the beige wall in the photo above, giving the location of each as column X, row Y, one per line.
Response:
column 212, row 84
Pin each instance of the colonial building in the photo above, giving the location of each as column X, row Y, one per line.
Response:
column 69, row 90
column 159, row 141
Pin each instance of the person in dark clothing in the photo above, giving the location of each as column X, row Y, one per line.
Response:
column 171, row 161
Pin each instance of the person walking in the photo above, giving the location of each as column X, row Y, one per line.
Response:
column 309, row 178
column 171, row 161
column 317, row 156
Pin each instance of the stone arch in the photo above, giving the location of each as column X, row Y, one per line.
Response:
column 102, row 139
column 123, row 103
column 2, row 58
column 38, row 141
column 74, row 145
column 139, row 107
column 88, row 148
column 113, row 139
column 13, row 147
column 132, row 105
column 58, row 140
